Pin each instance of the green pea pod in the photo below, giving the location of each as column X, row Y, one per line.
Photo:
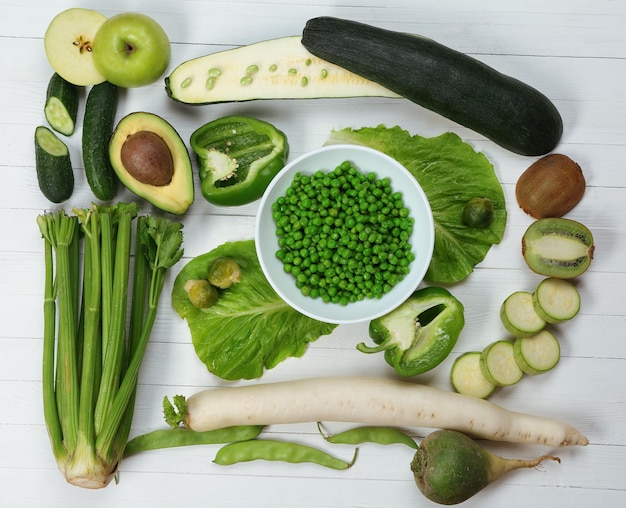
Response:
column 238, row 156
column 420, row 333
column 170, row 438
column 367, row 434
column 274, row 450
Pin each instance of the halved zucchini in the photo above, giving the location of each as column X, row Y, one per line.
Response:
column 273, row 69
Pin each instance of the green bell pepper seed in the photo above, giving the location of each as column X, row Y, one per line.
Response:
column 274, row 450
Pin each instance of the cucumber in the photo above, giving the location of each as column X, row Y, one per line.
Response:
column 273, row 69
column 498, row 365
column 98, row 124
column 537, row 354
column 556, row 300
column 53, row 166
column 518, row 315
column 61, row 106
column 457, row 86
column 467, row 377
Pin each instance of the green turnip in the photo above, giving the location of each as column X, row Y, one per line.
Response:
column 450, row 467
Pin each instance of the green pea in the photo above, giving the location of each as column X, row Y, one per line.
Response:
column 180, row 436
column 351, row 212
column 274, row 450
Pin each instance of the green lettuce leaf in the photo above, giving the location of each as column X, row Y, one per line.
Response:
column 250, row 328
column 450, row 172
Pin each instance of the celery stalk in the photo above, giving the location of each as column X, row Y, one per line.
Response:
column 67, row 382
column 91, row 361
column 92, row 290
column 141, row 282
column 51, row 414
column 162, row 240
column 114, row 336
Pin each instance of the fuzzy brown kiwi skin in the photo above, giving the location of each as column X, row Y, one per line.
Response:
column 550, row 187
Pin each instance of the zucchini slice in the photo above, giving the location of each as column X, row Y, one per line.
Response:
column 519, row 316
column 537, row 354
column 457, row 86
column 53, row 165
column 498, row 365
column 273, row 69
column 467, row 376
column 556, row 300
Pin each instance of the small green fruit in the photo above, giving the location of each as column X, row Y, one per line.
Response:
column 131, row 50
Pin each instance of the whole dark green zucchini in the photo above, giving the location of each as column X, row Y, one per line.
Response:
column 457, row 86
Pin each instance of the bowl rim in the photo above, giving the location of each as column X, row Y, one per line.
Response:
column 308, row 306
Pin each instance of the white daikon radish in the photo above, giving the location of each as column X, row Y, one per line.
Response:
column 373, row 401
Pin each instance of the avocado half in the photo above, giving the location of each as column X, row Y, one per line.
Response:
column 173, row 194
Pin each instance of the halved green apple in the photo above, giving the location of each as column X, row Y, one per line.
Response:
column 68, row 44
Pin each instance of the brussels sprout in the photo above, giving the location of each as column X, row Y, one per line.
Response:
column 201, row 293
column 224, row 272
column 478, row 213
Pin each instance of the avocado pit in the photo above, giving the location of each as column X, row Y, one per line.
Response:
column 148, row 159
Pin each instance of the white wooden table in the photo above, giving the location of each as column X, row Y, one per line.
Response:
column 572, row 50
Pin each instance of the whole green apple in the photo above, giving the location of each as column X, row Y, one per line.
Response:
column 131, row 50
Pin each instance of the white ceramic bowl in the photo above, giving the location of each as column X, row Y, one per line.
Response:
column 364, row 159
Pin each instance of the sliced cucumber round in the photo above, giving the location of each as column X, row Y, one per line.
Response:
column 498, row 365
column 556, row 300
column 467, row 377
column 537, row 354
column 519, row 316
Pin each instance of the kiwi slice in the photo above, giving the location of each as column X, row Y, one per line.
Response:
column 558, row 247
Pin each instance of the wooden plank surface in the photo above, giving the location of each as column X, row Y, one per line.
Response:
column 574, row 51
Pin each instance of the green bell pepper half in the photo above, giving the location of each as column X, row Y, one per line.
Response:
column 238, row 157
column 420, row 333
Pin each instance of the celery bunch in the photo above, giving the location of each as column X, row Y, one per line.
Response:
column 91, row 356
